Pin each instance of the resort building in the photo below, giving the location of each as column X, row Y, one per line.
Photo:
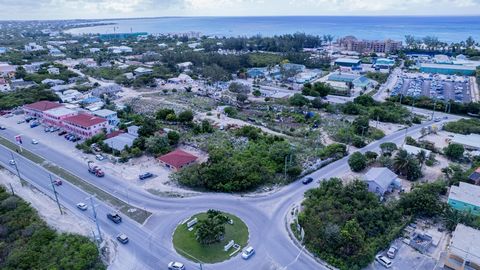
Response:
column 55, row 117
column 448, row 69
column 351, row 43
column 465, row 197
column 36, row 109
column 463, row 252
column 85, row 125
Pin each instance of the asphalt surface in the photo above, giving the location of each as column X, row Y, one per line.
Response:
column 151, row 242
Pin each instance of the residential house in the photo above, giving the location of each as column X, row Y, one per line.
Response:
column 470, row 142
column 33, row 67
column 55, row 117
column 120, row 49
column 413, row 150
column 120, row 141
column 475, row 176
column 182, row 78
column 36, row 109
column 33, row 47
column 463, row 252
column 110, row 90
column 53, row 70
column 21, row 84
column 85, row 125
column 4, row 86
column 133, row 130
column 177, row 159
column 140, row 71
column 465, row 197
column 7, row 71
column 53, row 82
column 3, row 50
column 110, row 115
column 381, row 180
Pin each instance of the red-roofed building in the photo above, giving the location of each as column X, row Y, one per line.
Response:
column 114, row 133
column 36, row 109
column 85, row 125
column 177, row 159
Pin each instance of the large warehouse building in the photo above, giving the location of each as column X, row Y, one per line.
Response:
column 448, row 69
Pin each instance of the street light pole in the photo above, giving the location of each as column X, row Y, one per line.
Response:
column 55, row 193
column 16, row 167
column 95, row 219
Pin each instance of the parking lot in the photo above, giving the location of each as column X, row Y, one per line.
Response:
column 406, row 258
column 441, row 87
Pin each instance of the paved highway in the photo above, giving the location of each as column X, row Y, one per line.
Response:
column 151, row 242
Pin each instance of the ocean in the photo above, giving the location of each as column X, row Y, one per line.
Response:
column 447, row 29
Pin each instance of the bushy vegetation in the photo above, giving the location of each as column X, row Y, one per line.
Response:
column 318, row 89
column 463, row 126
column 377, row 76
column 357, row 162
column 384, row 111
column 454, row 151
column 251, row 160
column 9, row 100
column 28, row 243
column 428, row 103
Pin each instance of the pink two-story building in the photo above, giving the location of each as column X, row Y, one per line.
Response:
column 55, row 117
column 85, row 125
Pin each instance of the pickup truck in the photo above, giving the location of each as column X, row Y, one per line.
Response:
column 114, row 217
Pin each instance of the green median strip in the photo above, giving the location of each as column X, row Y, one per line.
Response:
column 137, row 214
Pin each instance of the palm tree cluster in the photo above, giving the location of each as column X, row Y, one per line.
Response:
column 409, row 165
column 211, row 229
column 432, row 43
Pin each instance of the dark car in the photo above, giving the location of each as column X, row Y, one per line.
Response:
column 114, row 217
column 61, row 133
column 145, row 175
column 57, row 182
column 307, row 180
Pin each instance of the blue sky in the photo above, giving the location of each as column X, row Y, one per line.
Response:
column 88, row 9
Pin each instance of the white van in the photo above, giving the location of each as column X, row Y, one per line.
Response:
column 383, row 261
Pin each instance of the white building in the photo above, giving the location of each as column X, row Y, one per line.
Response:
column 53, row 70
column 33, row 47
column 120, row 49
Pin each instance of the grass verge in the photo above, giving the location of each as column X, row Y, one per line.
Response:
column 137, row 214
column 186, row 245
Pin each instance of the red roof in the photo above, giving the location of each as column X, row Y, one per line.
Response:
column 178, row 158
column 43, row 105
column 114, row 133
column 84, row 120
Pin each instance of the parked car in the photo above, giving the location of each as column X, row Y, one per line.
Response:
column 57, row 182
column 34, row 141
column 20, row 121
column 99, row 157
column 2, row 128
column 176, row 266
column 392, row 251
column 145, row 175
column 82, row 206
column 34, row 124
column 122, row 238
column 307, row 180
column 114, row 217
column 12, row 162
column 247, row 253
column 383, row 261
column 61, row 133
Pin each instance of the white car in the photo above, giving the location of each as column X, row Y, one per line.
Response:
column 383, row 261
column 99, row 157
column 82, row 206
column 34, row 141
column 247, row 253
column 176, row 266
column 12, row 162
column 392, row 251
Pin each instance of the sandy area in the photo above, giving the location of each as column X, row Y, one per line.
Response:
column 387, row 128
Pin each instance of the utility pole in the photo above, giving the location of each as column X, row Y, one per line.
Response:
column 55, row 193
column 95, row 219
column 405, row 139
column 434, row 106
column 16, row 167
column 285, row 170
column 11, row 188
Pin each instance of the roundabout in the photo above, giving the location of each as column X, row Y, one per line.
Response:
column 191, row 237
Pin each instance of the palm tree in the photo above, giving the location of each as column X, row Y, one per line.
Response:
column 400, row 162
column 422, row 157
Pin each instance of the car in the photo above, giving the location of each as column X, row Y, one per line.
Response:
column 145, row 175
column 34, row 141
column 247, row 253
column 2, row 128
column 12, row 162
column 114, row 217
column 307, row 180
column 392, row 251
column 82, row 206
column 61, row 133
column 122, row 238
column 99, row 157
column 383, row 261
column 176, row 266
column 57, row 182
column 437, row 119
column 34, row 124
column 20, row 121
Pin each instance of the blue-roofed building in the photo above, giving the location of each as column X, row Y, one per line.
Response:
column 384, row 63
column 256, row 72
column 343, row 77
column 362, row 82
column 91, row 100
column 294, row 67
column 448, row 69
column 3, row 50
column 347, row 62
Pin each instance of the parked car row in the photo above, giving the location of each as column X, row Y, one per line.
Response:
column 383, row 260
